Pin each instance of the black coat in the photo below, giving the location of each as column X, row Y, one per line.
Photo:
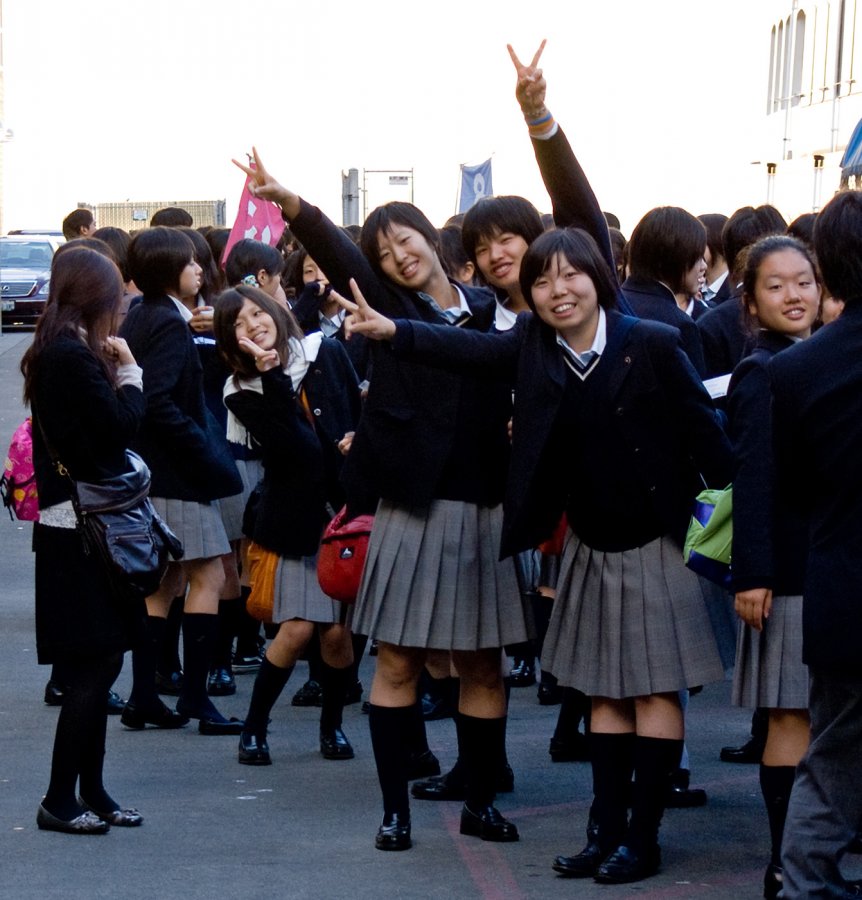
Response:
column 89, row 425
column 663, row 418
column 769, row 534
column 424, row 433
column 724, row 337
column 817, row 423
column 300, row 461
column 180, row 439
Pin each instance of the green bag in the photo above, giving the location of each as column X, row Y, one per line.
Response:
column 710, row 535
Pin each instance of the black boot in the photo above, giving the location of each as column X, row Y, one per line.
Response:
column 481, row 748
column 639, row 855
column 268, row 685
column 169, row 671
column 612, row 760
column 333, row 743
column 200, row 631
column 221, row 682
column 776, row 783
column 568, row 744
column 390, row 738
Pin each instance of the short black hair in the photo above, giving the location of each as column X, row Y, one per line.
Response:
column 453, row 254
column 172, row 217
column 748, row 225
column 581, row 251
column 210, row 277
column 157, row 257
column 838, row 245
column 491, row 216
column 248, row 257
column 665, row 244
column 714, row 224
column 382, row 219
column 802, row 228
column 118, row 240
column 75, row 221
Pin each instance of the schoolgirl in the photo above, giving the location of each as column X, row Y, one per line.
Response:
column 615, row 405
column 258, row 264
column 84, row 389
column 433, row 448
column 191, row 468
column 297, row 397
column 782, row 297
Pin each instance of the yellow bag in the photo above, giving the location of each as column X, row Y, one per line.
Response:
column 262, row 565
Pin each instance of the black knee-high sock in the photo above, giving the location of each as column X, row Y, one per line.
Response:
column 229, row 612
column 79, row 742
column 776, row 783
column 313, row 657
column 359, row 641
column 482, row 745
column 169, row 648
column 655, row 760
column 91, row 786
column 612, row 757
column 199, row 636
column 145, row 658
column 268, row 685
column 334, row 683
column 573, row 709
column 248, row 631
column 418, row 737
column 390, row 738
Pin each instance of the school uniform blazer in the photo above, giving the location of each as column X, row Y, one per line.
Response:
column 663, row 415
column 416, row 418
column 724, row 337
column 817, row 427
column 291, row 511
column 650, row 299
column 770, row 538
column 179, row 439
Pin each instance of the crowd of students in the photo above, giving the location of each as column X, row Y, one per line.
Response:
column 475, row 388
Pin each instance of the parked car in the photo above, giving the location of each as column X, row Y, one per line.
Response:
column 25, row 272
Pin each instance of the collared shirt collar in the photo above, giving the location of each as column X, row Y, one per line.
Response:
column 583, row 363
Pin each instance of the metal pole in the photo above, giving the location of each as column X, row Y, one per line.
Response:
column 771, row 169
column 818, row 181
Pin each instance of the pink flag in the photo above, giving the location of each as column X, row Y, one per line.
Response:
column 257, row 219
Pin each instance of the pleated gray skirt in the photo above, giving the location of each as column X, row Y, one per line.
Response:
column 433, row 579
column 233, row 508
column 298, row 594
column 197, row 525
column 629, row 624
column 769, row 669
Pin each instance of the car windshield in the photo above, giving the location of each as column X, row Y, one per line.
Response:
column 26, row 254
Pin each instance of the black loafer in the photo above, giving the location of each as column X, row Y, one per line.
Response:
column 549, row 694
column 122, row 818
column 750, row 752
column 334, row 745
column 253, row 750
column 487, row 824
column 310, row 694
column 624, row 865
column 680, row 795
column 54, row 693
column 353, row 694
column 522, row 674
column 394, row 833
column 116, row 704
column 423, row 765
column 170, row 684
column 221, row 683
column 159, row 717
column 216, row 725
column 443, row 787
column 86, row 823
column 242, row 665
column 583, row 865
column 773, row 881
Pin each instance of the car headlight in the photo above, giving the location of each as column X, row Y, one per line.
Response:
column 42, row 293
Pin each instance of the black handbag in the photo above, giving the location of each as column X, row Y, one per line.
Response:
column 117, row 522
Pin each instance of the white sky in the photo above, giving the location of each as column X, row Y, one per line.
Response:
column 112, row 100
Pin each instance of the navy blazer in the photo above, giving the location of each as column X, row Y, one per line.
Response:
column 663, row 416
column 724, row 337
column 180, row 439
column 769, row 535
column 650, row 299
column 421, row 427
column 817, row 424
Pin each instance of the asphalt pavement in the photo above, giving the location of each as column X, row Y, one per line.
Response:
column 304, row 827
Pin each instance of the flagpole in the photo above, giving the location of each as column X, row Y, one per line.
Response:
column 458, row 191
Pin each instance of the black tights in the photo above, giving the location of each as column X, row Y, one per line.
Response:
column 79, row 743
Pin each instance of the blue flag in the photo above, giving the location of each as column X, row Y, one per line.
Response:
column 475, row 184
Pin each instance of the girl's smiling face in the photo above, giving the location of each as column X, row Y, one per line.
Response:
column 255, row 325
column 499, row 259
column 406, row 257
column 786, row 294
column 565, row 298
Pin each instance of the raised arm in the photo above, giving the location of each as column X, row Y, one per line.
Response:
column 574, row 203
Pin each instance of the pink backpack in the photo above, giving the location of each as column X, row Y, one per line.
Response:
column 18, row 483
